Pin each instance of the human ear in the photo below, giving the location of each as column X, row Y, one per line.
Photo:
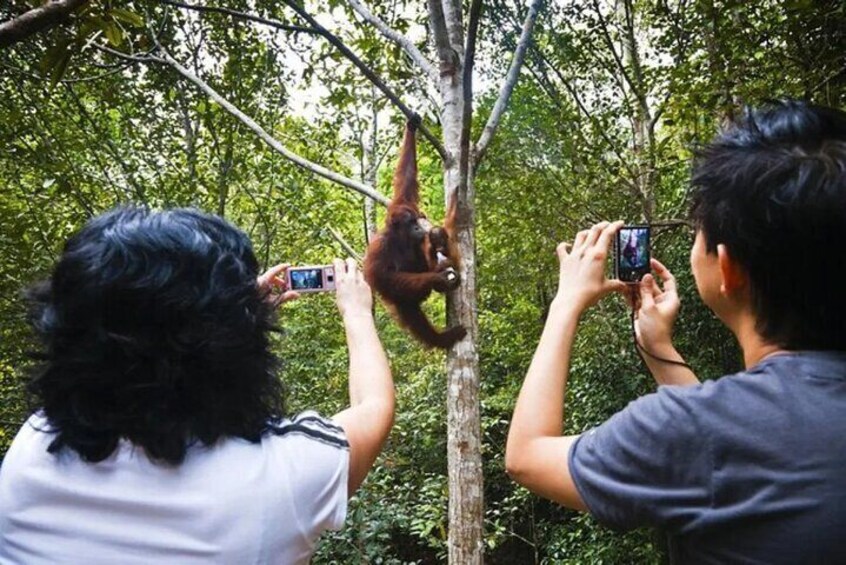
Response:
column 733, row 277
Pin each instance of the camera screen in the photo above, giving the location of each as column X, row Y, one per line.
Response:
column 634, row 248
column 307, row 279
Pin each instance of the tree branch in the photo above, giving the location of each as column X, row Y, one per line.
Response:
column 454, row 19
column 269, row 139
column 467, row 114
column 371, row 76
column 597, row 126
column 318, row 29
column 143, row 58
column 38, row 19
column 347, row 247
column 241, row 15
column 510, row 81
column 410, row 49
column 617, row 57
column 274, row 143
column 128, row 176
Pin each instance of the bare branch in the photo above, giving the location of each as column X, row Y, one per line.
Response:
column 38, row 19
column 242, row 16
column 114, row 71
column 347, row 247
column 371, row 76
column 111, row 148
column 467, row 113
column 617, row 57
column 410, row 49
column 510, row 81
column 673, row 223
column 143, row 58
column 274, row 143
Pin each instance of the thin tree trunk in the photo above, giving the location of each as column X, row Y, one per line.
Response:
column 464, row 453
column 643, row 137
column 464, row 442
column 190, row 138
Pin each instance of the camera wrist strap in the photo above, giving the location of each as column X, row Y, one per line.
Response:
column 641, row 349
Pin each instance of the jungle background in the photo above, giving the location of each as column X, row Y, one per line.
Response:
column 612, row 100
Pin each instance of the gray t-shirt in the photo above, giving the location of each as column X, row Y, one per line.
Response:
column 750, row 468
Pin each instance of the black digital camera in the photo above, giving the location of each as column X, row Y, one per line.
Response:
column 632, row 253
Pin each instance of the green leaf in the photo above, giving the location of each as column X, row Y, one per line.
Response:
column 113, row 34
column 127, row 17
column 60, row 68
column 54, row 55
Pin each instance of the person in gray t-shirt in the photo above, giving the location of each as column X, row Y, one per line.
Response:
column 749, row 468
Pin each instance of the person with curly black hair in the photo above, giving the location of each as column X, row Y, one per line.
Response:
column 750, row 467
column 160, row 434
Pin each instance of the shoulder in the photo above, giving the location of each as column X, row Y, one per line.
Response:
column 662, row 424
column 311, row 454
column 649, row 463
column 745, row 395
column 678, row 412
column 311, row 427
column 27, row 453
column 727, row 393
column 667, row 403
column 34, row 435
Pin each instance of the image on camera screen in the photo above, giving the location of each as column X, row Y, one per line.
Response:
column 634, row 252
column 309, row 279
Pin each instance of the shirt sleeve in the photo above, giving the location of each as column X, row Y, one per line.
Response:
column 648, row 465
column 320, row 469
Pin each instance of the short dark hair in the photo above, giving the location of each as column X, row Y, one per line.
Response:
column 772, row 188
column 155, row 331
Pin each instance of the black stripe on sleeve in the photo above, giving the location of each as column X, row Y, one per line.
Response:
column 282, row 429
column 325, row 423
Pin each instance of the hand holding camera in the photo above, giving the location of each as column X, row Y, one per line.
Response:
column 582, row 282
column 658, row 309
column 275, row 283
column 283, row 283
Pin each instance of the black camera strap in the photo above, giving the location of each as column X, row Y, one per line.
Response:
column 641, row 350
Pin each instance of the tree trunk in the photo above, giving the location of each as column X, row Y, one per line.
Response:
column 643, row 138
column 464, row 459
column 464, row 442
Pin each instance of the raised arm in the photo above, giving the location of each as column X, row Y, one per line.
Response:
column 536, row 453
column 368, row 420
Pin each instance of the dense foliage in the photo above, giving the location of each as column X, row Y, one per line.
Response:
column 613, row 98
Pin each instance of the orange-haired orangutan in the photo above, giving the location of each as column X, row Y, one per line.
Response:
column 408, row 258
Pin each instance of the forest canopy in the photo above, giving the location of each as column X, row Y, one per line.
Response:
column 98, row 108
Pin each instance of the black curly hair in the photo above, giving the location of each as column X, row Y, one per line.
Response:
column 773, row 190
column 154, row 330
